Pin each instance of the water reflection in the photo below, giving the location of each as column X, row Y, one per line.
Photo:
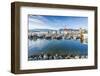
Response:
column 57, row 47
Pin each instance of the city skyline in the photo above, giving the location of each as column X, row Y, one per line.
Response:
column 57, row 22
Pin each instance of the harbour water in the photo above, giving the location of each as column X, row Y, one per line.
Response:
column 54, row 46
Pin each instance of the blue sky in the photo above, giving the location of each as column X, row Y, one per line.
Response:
column 57, row 22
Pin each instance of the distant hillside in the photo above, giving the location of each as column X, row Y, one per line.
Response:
column 69, row 29
column 38, row 30
column 46, row 30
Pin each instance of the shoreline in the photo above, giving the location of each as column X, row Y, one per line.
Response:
column 55, row 57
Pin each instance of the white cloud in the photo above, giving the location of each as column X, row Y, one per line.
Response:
column 38, row 22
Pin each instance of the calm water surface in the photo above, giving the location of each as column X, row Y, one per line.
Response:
column 57, row 47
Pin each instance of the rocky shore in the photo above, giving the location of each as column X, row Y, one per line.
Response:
column 55, row 57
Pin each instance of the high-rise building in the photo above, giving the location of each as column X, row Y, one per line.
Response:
column 65, row 30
